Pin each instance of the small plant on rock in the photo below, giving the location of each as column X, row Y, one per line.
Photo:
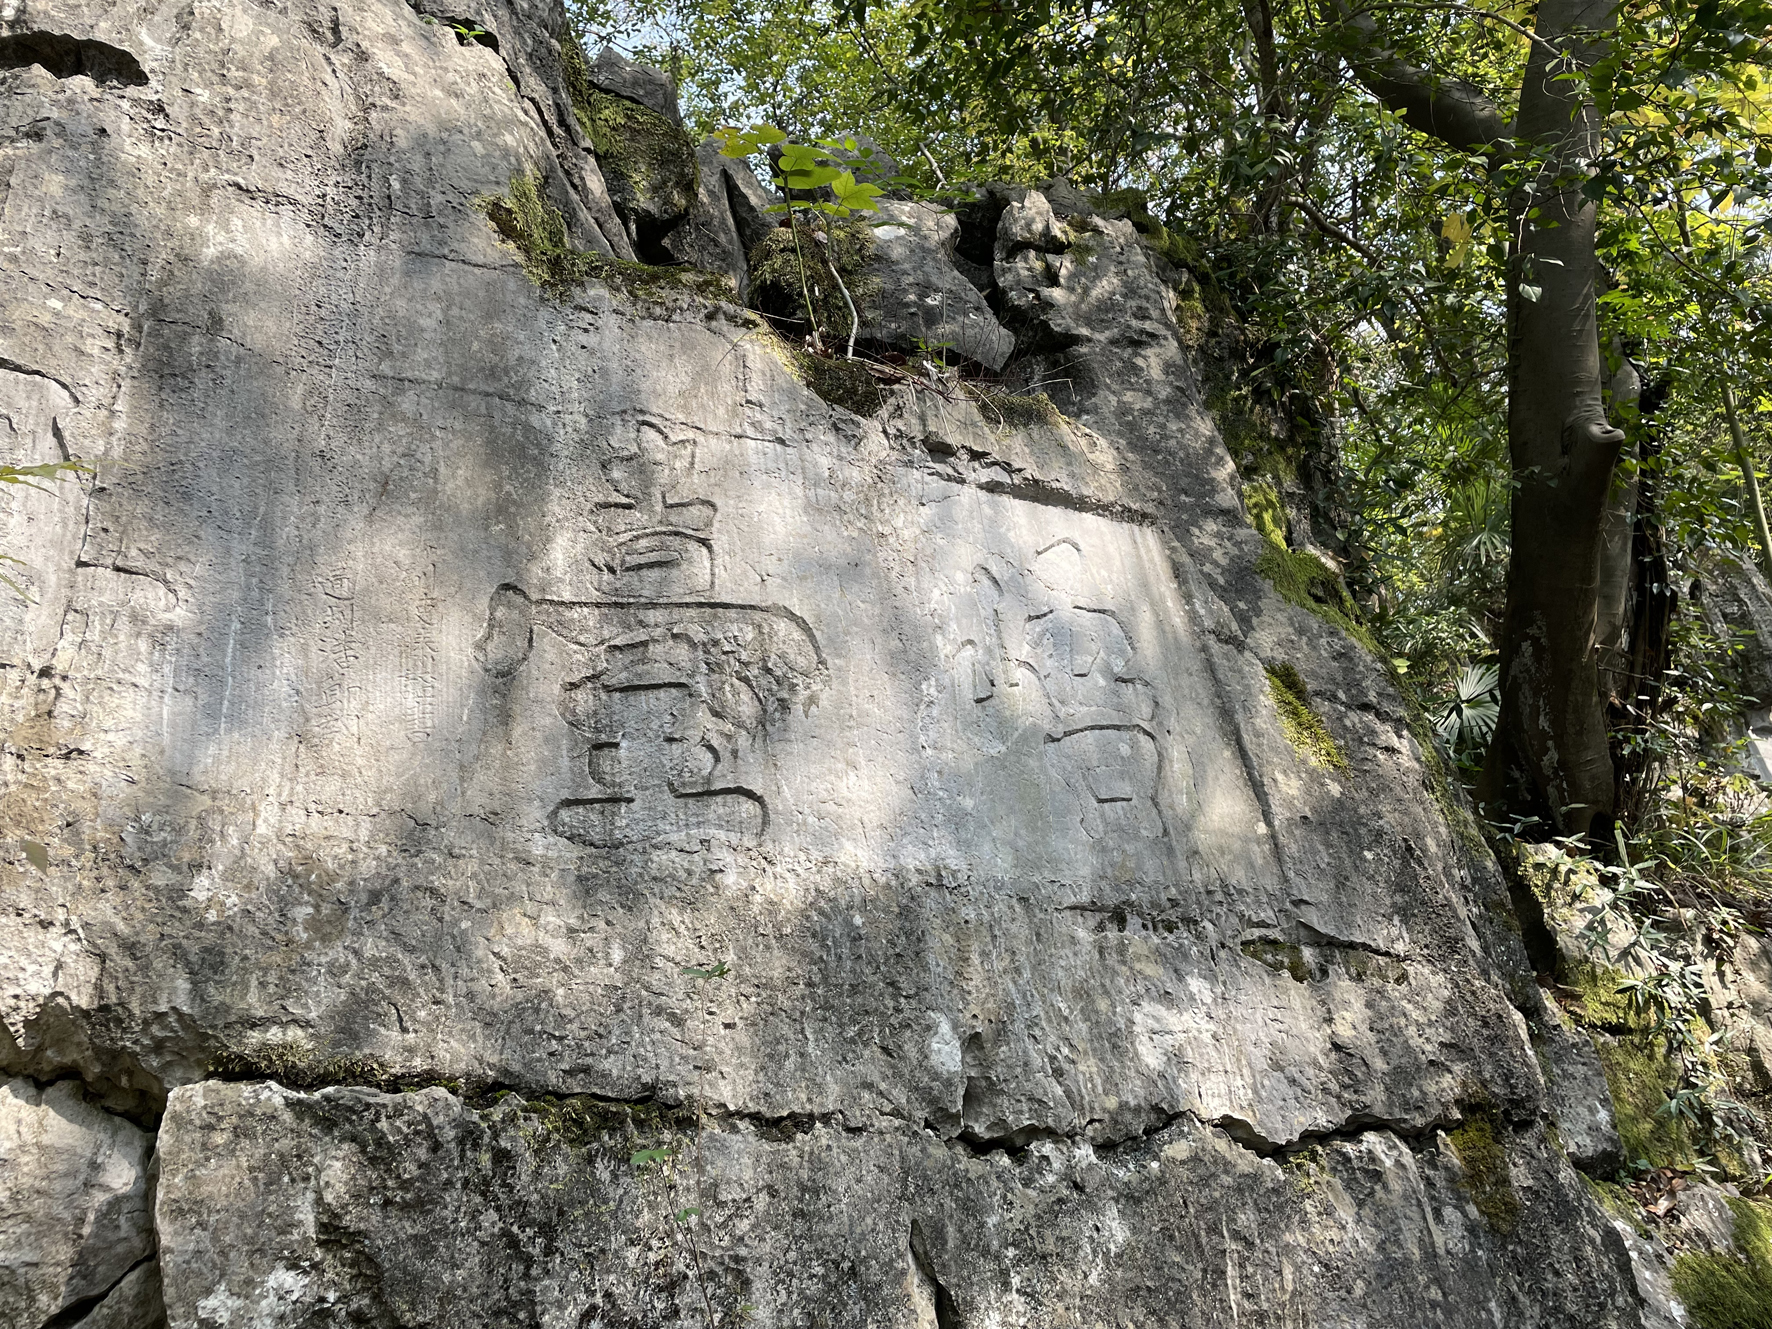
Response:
column 801, row 172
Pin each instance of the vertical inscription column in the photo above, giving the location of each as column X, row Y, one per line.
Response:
column 336, row 710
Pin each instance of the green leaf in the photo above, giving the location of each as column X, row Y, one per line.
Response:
column 736, row 142
column 684, row 1215
column 718, row 971
column 1530, row 292
column 807, row 177
column 644, row 1157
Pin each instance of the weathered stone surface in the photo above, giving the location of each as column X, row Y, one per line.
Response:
column 923, row 298
column 628, row 116
column 1578, row 1099
column 74, row 1200
column 654, row 89
column 135, row 1303
column 435, row 670
column 728, row 219
column 438, row 1215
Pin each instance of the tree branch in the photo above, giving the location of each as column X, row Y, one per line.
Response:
column 1457, row 113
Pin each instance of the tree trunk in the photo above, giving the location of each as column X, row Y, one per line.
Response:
column 1550, row 757
column 1638, row 687
column 1617, row 546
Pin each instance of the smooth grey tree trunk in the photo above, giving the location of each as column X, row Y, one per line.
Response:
column 1550, row 756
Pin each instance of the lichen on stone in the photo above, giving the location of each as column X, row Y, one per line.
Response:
column 536, row 229
column 1364, row 966
column 1283, row 957
column 1303, row 727
column 1479, row 1144
column 1306, row 1169
column 1731, row 1290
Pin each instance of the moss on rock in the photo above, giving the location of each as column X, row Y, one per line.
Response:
column 1132, row 205
column 535, row 228
column 648, row 162
column 1283, row 957
column 1642, row 1078
column 1012, row 412
column 845, row 383
column 1480, row 1147
column 1303, row 727
column 1598, row 1002
column 776, row 288
column 1731, row 1290
column 581, row 1121
column 297, row 1064
column 1305, row 580
column 1617, row 1202
column 1266, row 513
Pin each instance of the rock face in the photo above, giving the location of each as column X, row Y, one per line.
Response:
column 74, row 1201
column 730, row 217
column 550, row 821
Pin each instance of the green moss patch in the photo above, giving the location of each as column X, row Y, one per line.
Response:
column 776, row 287
column 1283, row 957
column 1305, row 580
column 581, row 1121
column 1010, row 412
column 1594, row 999
column 1642, row 1078
column 647, row 161
column 1616, row 1201
column 1265, row 511
column 844, row 383
column 1132, row 205
column 1303, row 727
column 535, row 228
column 1480, row 1147
column 1731, row 1291
column 296, row 1064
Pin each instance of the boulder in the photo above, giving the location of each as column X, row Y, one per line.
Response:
column 729, row 218
column 923, row 298
column 614, row 73
column 1579, row 1100
column 74, row 1200
column 629, row 116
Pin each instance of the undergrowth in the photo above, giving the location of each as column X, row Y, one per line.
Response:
column 775, row 266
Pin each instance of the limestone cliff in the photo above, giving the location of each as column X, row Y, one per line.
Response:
column 519, row 810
